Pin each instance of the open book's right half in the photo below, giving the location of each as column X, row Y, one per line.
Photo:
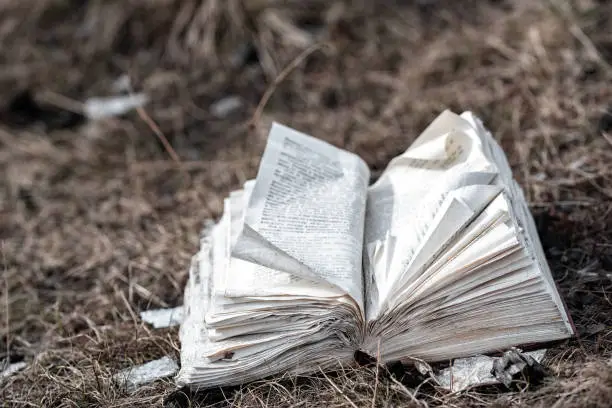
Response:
column 453, row 264
column 438, row 259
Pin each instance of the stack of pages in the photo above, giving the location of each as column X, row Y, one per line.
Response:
column 438, row 259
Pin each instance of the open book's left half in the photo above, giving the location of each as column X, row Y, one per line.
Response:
column 277, row 284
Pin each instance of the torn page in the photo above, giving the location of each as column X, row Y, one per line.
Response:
column 146, row 373
column 309, row 200
column 480, row 370
column 162, row 318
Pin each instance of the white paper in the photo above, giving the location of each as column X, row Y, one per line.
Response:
column 162, row 318
column 243, row 277
column 12, row 369
column 308, row 204
column 154, row 370
column 100, row 108
column 225, row 106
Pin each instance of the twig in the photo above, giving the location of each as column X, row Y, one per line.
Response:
column 129, row 308
column 581, row 36
column 405, row 389
column 162, row 138
column 451, row 374
column 376, row 381
column 7, row 314
column 61, row 101
column 281, row 77
column 338, row 389
column 151, row 123
column 426, row 381
column 588, row 44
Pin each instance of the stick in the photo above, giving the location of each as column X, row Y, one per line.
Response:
column 8, row 316
column 151, row 123
column 280, row 78
column 376, row 381
column 339, row 390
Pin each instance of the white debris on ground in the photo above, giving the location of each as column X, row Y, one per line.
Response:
column 122, row 84
column 162, row 318
column 134, row 377
column 479, row 370
column 12, row 369
column 100, row 108
column 223, row 107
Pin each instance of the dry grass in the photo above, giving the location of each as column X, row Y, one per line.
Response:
column 98, row 222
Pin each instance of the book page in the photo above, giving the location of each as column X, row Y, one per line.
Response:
column 240, row 277
column 306, row 212
column 521, row 211
column 415, row 187
column 473, row 278
column 458, row 210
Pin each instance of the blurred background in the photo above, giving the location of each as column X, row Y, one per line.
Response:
column 123, row 124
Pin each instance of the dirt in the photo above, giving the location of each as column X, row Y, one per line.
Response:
column 98, row 219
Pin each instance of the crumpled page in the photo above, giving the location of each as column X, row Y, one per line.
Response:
column 485, row 370
column 134, row 377
column 514, row 362
column 162, row 318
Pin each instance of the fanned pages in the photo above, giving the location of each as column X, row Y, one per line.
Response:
column 438, row 259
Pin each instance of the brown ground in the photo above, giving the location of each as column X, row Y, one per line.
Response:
column 98, row 222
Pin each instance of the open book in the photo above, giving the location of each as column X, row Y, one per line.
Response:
column 438, row 259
